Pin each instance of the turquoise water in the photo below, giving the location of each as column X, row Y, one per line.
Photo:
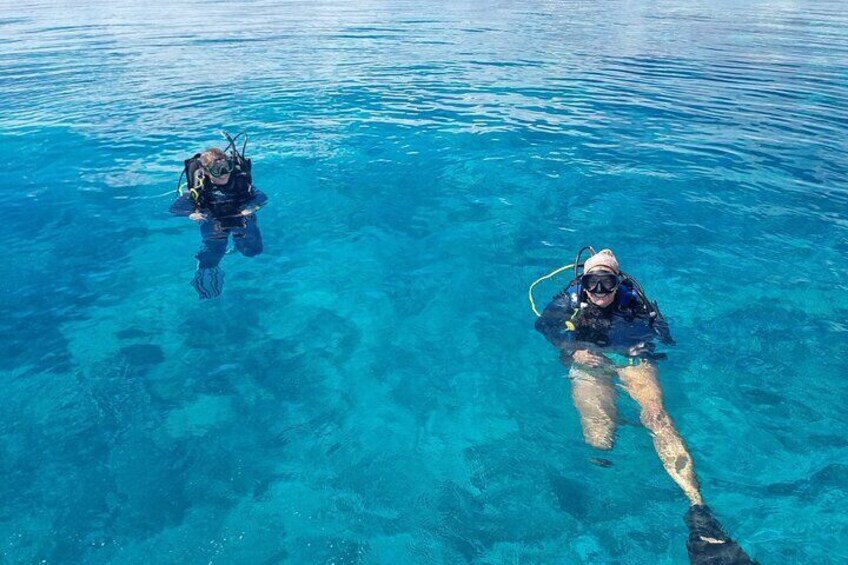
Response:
column 371, row 389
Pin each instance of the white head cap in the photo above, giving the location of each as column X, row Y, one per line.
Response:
column 603, row 260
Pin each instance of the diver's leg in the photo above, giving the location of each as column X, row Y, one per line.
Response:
column 208, row 280
column 641, row 383
column 213, row 245
column 594, row 397
column 249, row 240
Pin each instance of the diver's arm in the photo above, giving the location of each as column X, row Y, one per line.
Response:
column 254, row 204
column 660, row 326
column 183, row 206
column 551, row 323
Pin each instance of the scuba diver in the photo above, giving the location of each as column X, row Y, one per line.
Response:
column 605, row 327
column 220, row 196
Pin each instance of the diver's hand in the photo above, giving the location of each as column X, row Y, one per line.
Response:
column 197, row 216
column 590, row 359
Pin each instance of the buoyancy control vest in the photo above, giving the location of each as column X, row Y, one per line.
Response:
column 223, row 202
column 631, row 306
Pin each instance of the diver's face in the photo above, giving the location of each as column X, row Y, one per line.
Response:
column 601, row 286
column 222, row 179
column 602, row 300
column 219, row 170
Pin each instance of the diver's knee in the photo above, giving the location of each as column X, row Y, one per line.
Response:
column 209, row 256
column 252, row 251
column 208, row 262
column 599, row 430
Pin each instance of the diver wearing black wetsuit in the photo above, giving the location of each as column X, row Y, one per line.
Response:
column 606, row 328
column 223, row 200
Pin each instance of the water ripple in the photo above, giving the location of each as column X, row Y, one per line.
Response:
column 425, row 160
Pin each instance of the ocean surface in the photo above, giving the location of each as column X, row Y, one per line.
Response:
column 371, row 388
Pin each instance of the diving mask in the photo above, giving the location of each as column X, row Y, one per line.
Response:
column 220, row 167
column 600, row 283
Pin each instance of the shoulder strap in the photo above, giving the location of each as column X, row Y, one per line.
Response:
column 658, row 321
column 572, row 292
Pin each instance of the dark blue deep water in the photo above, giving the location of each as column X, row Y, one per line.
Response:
column 371, row 388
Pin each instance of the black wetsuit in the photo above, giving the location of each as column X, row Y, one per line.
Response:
column 222, row 205
column 626, row 323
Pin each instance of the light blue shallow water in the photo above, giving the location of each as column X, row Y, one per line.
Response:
column 371, row 389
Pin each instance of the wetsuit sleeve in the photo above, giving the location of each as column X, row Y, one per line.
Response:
column 551, row 323
column 661, row 328
column 183, row 206
column 259, row 199
column 255, row 198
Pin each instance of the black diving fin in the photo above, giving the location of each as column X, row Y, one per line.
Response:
column 708, row 544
